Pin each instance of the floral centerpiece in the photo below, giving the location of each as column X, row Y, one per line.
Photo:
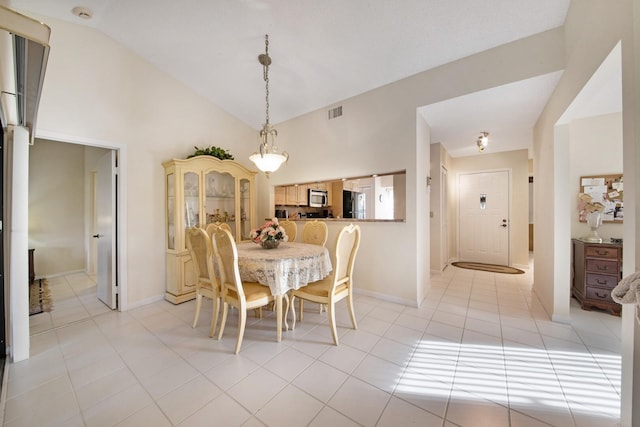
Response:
column 269, row 235
column 587, row 205
column 591, row 212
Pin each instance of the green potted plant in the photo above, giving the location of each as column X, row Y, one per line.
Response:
column 214, row 151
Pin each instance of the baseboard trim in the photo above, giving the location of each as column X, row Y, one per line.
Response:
column 385, row 297
column 145, row 301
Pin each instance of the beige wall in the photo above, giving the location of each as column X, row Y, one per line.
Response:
column 380, row 131
column 595, row 148
column 56, row 207
column 97, row 92
column 59, row 205
column 517, row 164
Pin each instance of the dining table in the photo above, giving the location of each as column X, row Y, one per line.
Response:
column 289, row 266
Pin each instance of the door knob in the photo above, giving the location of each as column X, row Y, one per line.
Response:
column 503, row 225
column 97, row 236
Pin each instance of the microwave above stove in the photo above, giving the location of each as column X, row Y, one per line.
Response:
column 318, row 198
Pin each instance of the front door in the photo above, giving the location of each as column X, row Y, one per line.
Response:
column 484, row 217
column 106, row 227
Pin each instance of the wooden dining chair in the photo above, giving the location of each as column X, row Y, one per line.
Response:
column 201, row 251
column 290, row 228
column 243, row 296
column 337, row 286
column 211, row 227
column 315, row 232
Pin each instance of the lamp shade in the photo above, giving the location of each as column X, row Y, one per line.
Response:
column 269, row 162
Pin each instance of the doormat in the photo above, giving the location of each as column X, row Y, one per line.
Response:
column 492, row 268
column 39, row 297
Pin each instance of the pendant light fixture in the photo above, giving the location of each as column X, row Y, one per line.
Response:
column 268, row 159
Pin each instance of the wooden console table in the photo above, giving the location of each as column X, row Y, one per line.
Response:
column 597, row 269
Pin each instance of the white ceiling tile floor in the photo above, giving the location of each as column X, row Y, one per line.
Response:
column 479, row 351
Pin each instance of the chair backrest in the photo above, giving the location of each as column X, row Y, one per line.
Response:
column 201, row 251
column 347, row 245
column 315, row 232
column 211, row 227
column 226, row 254
column 290, row 228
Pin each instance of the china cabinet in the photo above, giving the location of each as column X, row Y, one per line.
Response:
column 199, row 191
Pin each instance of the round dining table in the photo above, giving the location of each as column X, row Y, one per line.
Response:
column 289, row 266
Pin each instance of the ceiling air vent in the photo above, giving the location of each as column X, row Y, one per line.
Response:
column 335, row 112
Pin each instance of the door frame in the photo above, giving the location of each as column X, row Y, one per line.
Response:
column 509, row 206
column 121, row 202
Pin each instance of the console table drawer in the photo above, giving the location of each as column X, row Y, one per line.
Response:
column 600, row 252
column 599, row 294
column 602, row 280
column 602, row 266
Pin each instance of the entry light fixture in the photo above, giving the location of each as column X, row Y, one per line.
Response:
column 268, row 159
column 483, row 141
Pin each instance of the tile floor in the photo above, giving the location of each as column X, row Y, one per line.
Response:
column 479, row 352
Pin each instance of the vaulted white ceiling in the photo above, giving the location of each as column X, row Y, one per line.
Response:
column 322, row 51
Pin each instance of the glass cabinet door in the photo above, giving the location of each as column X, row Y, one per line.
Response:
column 220, row 198
column 171, row 217
column 191, row 205
column 245, row 209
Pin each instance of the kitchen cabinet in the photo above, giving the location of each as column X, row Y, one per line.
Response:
column 199, row 191
column 291, row 195
column 597, row 269
column 303, row 197
column 280, row 195
column 295, row 195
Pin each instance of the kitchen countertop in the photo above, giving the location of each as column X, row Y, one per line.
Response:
column 339, row 219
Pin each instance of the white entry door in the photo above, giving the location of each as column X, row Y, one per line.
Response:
column 484, row 217
column 106, row 229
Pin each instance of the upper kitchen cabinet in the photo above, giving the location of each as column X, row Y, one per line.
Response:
column 295, row 195
column 280, row 195
column 199, row 191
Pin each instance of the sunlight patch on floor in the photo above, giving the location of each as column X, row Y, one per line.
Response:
column 521, row 376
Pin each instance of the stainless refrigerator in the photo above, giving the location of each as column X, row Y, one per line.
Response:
column 353, row 204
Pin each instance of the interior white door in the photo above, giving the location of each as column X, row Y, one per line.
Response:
column 484, row 217
column 106, row 226
column 444, row 219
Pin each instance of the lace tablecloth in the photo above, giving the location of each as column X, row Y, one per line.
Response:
column 290, row 266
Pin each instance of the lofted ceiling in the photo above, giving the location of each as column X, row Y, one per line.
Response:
column 326, row 51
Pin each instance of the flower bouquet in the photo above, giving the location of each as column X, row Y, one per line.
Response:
column 269, row 235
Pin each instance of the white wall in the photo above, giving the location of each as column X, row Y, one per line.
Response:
column 595, row 149
column 96, row 91
column 592, row 29
column 56, row 207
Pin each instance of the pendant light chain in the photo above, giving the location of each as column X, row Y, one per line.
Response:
column 267, row 159
column 266, row 75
